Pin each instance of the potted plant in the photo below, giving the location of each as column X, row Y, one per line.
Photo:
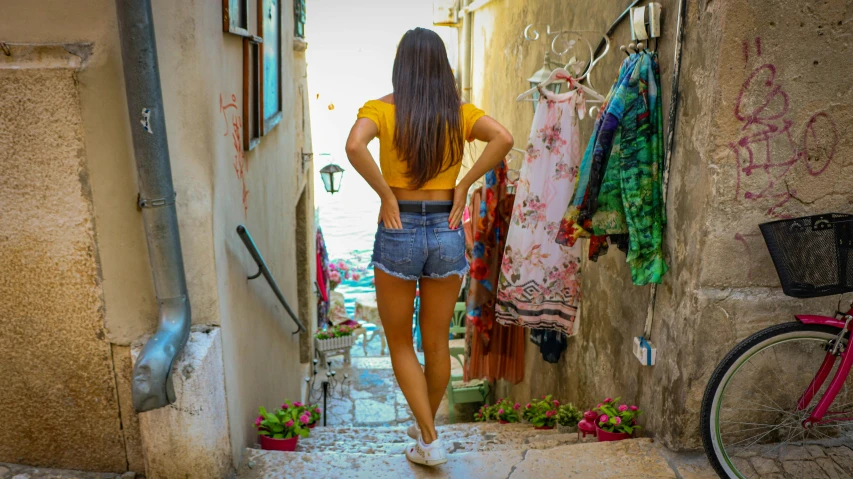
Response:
column 314, row 411
column 616, row 421
column 486, row 413
column 507, row 412
column 280, row 430
column 542, row 413
column 568, row 415
column 334, row 338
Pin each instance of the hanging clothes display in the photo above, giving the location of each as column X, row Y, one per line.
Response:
column 322, row 282
column 539, row 283
column 551, row 343
column 493, row 351
column 619, row 187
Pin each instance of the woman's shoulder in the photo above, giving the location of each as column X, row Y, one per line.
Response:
column 387, row 99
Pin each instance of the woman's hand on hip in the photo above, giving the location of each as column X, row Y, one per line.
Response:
column 460, row 198
column 389, row 214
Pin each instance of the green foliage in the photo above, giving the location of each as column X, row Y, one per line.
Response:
column 486, row 413
column 542, row 412
column 283, row 423
column 618, row 418
column 568, row 415
column 507, row 411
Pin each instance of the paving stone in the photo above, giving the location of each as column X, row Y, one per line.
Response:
column 794, row 453
column 744, row 466
column 842, row 456
column 21, row 476
column 370, row 411
column 3, row 471
column 832, row 470
column 815, row 450
column 804, row 469
column 763, row 465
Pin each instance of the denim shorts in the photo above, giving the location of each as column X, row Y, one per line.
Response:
column 425, row 247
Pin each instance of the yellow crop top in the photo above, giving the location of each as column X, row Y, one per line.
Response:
column 395, row 170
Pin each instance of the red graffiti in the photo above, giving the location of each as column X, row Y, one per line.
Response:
column 768, row 147
column 223, row 108
column 241, row 166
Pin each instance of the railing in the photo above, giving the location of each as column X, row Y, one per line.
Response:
column 263, row 270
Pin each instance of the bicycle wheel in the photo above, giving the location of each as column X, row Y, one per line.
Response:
column 749, row 411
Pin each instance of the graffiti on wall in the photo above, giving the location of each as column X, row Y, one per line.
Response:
column 771, row 147
column 234, row 127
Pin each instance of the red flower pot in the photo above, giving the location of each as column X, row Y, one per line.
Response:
column 270, row 444
column 502, row 421
column 312, row 425
column 606, row 436
column 543, row 427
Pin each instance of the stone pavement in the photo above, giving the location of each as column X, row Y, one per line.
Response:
column 13, row 471
column 373, row 398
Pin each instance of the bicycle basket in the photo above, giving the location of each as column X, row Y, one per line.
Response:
column 813, row 255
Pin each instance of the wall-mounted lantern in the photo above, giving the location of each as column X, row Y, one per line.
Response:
column 331, row 175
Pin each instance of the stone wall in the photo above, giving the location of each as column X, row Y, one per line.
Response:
column 747, row 67
column 72, row 229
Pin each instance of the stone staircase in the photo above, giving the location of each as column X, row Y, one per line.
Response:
column 477, row 450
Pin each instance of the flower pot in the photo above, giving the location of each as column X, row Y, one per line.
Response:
column 606, row 436
column 543, row 427
column 270, row 444
column 332, row 344
column 502, row 421
column 312, row 425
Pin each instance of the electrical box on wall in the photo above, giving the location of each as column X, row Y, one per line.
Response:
column 645, row 351
column 444, row 13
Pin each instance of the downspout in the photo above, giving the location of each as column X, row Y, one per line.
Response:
column 152, row 386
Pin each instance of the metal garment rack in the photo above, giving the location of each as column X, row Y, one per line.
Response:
column 263, row 270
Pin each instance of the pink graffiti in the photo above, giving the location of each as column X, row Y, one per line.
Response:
column 236, row 130
column 768, row 147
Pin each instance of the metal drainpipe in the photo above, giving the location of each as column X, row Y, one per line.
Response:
column 152, row 386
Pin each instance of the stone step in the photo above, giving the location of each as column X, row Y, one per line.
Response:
column 459, row 438
column 635, row 458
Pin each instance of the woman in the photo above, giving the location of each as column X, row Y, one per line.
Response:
column 421, row 127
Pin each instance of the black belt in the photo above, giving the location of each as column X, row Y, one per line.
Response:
column 424, row 208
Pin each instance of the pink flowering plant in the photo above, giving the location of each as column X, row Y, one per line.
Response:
column 314, row 411
column 338, row 331
column 542, row 413
column 508, row 411
column 486, row 413
column 340, row 270
column 289, row 421
column 616, row 417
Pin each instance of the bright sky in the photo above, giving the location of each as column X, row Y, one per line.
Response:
column 351, row 48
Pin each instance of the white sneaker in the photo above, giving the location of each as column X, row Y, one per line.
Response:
column 431, row 454
column 414, row 431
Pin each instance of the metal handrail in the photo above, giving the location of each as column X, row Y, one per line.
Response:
column 263, row 270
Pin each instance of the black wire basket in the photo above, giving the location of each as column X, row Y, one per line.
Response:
column 813, row 255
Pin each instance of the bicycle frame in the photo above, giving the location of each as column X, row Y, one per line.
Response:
column 817, row 416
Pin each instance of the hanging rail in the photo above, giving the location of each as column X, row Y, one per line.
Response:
column 263, row 270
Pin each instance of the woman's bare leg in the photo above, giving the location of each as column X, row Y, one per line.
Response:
column 395, row 298
column 438, row 299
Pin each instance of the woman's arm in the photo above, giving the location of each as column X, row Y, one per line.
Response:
column 360, row 158
column 498, row 143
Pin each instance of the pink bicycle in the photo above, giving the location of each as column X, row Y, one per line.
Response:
column 788, row 384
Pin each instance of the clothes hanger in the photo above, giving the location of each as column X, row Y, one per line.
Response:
column 561, row 74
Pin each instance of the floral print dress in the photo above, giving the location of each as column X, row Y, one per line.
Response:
column 539, row 284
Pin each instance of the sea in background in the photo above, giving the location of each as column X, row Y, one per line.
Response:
column 348, row 221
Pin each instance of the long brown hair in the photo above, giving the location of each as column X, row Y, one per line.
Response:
column 428, row 133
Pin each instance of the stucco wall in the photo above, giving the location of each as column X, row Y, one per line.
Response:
column 58, row 401
column 201, row 68
column 721, row 285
